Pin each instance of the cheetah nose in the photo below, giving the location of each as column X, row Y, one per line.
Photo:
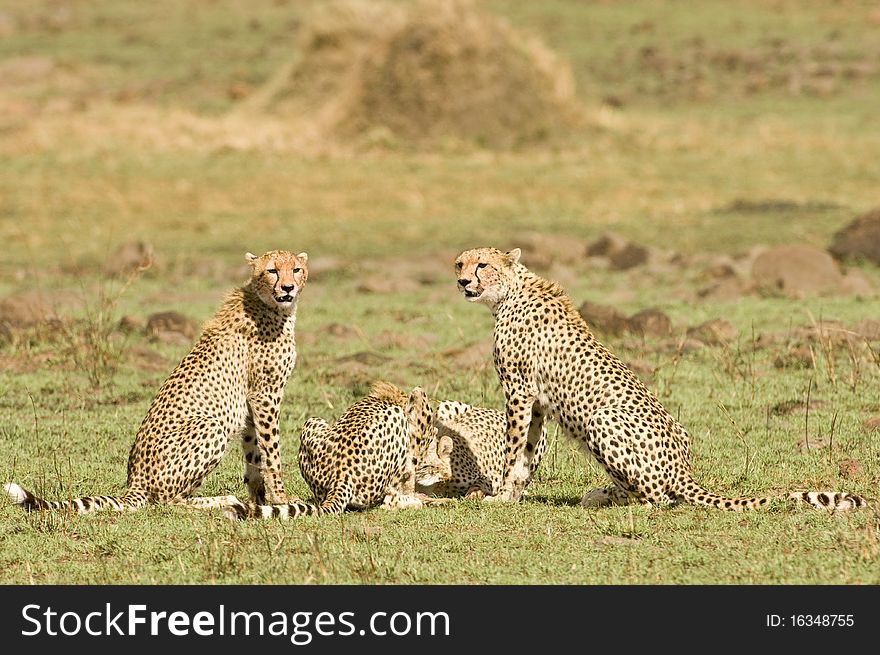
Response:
column 463, row 282
column 288, row 287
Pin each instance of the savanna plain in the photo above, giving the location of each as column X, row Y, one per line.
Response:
column 145, row 147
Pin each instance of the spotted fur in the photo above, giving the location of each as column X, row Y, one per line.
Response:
column 366, row 459
column 551, row 366
column 474, row 452
column 230, row 385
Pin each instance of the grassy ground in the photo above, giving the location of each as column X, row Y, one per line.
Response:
column 712, row 128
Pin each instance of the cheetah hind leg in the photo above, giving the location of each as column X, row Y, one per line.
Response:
column 606, row 497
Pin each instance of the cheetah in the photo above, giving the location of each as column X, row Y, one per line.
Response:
column 470, row 444
column 230, row 385
column 434, row 468
column 367, row 458
column 550, row 366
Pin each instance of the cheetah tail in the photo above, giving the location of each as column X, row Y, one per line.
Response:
column 28, row 501
column 830, row 500
column 827, row 500
column 283, row 511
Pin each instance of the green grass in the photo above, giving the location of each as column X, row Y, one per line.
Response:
column 713, row 164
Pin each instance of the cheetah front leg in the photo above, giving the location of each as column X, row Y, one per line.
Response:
column 262, row 453
column 395, row 499
column 525, row 421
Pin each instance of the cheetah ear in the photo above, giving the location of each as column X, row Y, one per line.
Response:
column 444, row 446
column 417, row 402
column 250, row 257
column 513, row 255
column 303, row 257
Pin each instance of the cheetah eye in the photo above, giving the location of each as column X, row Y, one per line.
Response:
column 273, row 271
column 297, row 270
column 482, row 265
column 457, row 266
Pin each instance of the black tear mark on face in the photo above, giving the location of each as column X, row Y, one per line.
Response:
column 477, row 270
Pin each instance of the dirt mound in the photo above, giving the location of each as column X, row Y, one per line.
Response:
column 25, row 309
column 170, row 327
column 621, row 253
column 423, row 71
column 797, row 271
column 859, row 240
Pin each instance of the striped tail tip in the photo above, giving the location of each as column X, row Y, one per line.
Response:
column 238, row 511
column 830, row 500
column 284, row 511
column 16, row 494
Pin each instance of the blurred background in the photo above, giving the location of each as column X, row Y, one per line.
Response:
column 644, row 153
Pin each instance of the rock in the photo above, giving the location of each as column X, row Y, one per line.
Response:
column 856, row 283
column 801, row 356
column 25, row 309
column 629, row 257
column 603, row 319
column 849, row 468
column 170, row 327
column 868, row 328
column 726, row 289
column 650, row 322
column 860, row 240
column 716, row 332
column 621, row 254
column 605, row 245
column 130, row 258
column 797, row 271
column 872, row 424
column 130, row 324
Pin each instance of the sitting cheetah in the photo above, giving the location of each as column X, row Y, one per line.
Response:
column 551, row 366
column 367, row 458
column 471, row 443
column 230, row 385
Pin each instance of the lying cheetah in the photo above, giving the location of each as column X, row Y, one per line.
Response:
column 434, row 468
column 367, row 458
column 471, row 442
column 551, row 366
column 230, row 385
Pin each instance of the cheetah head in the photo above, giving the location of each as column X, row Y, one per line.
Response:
column 484, row 274
column 278, row 277
column 435, row 467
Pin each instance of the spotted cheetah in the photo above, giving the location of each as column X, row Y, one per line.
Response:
column 366, row 459
column 230, row 385
column 471, row 443
column 434, row 468
column 551, row 366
